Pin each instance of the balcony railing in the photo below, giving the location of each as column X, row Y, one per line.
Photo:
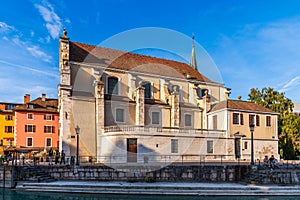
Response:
column 142, row 129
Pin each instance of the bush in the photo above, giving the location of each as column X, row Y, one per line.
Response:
column 149, row 179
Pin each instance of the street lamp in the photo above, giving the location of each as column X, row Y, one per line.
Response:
column 77, row 129
column 251, row 126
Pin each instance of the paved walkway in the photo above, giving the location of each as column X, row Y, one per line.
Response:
column 162, row 188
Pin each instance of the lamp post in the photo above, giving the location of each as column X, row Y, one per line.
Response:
column 77, row 129
column 251, row 126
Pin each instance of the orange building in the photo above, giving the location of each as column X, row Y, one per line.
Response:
column 36, row 123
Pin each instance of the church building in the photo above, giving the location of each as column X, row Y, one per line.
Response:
column 133, row 108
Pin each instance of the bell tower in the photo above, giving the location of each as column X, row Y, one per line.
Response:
column 64, row 93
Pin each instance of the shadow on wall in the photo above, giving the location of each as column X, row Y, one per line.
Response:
column 123, row 154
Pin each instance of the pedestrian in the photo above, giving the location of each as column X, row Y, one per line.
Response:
column 266, row 161
column 50, row 154
column 23, row 158
column 56, row 156
column 271, row 161
column 62, row 157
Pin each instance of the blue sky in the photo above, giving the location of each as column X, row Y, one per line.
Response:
column 253, row 43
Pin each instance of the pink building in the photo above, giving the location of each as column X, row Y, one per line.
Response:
column 36, row 123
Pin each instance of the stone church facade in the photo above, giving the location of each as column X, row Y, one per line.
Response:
column 133, row 108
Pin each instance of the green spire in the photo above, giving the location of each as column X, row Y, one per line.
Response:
column 193, row 61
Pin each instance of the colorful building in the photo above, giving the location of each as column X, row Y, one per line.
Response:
column 36, row 123
column 7, row 124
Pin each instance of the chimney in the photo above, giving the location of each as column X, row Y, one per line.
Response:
column 43, row 97
column 26, row 98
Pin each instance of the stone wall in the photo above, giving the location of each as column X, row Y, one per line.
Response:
column 132, row 173
column 5, row 177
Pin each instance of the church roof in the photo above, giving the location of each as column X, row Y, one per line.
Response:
column 128, row 61
column 241, row 105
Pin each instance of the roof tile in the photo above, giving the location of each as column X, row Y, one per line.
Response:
column 130, row 61
column 240, row 105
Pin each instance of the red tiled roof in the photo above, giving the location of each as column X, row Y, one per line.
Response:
column 129, row 61
column 240, row 105
column 49, row 105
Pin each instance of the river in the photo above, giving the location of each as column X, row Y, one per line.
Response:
column 22, row 195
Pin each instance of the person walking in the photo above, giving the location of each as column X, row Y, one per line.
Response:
column 50, row 154
column 56, row 156
column 62, row 157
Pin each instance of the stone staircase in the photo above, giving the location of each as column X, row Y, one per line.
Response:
column 280, row 176
column 34, row 173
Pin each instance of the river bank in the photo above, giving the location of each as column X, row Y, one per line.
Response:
column 161, row 188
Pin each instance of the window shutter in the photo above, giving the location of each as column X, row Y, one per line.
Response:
column 242, row 119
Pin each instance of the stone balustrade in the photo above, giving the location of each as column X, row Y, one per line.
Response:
column 164, row 130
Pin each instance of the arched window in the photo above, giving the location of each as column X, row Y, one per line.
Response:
column 112, row 85
column 147, row 87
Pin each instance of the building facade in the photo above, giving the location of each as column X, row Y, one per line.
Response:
column 7, row 118
column 133, row 108
column 235, row 116
column 36, row 123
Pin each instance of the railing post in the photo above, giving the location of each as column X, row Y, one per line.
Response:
column 221, row 159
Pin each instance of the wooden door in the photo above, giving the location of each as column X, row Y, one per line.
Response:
column 131, row 150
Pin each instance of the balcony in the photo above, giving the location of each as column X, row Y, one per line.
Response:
column 130, row 129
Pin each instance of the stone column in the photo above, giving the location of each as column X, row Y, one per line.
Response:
column 175, row 108
column 140, row 106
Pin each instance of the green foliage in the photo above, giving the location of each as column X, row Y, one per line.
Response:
column 149, row 179
column 288, row 123
column 271, row 99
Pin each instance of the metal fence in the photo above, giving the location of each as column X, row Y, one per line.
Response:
column 147, row 159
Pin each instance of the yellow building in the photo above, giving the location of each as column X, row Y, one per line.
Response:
column 235, row 116
column 133, row 108
column 7, row 124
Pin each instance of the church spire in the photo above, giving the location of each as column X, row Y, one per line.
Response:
column 193, row 61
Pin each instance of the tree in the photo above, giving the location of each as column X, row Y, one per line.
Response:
column 288, row 123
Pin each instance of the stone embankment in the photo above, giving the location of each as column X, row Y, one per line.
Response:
column 45, row 173
column 134, row 173
column 162, row 188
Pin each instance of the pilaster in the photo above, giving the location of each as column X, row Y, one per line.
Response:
column 175, row 108
column 140, row 106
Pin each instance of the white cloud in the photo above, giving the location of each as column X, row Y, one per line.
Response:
column 33, row 49
column 48, row 39
column 262, row 55
column 53, row 21
column 36, row 52
column 18, row 42
column 31, row 33
column 68, row 21
column 290, row 84
column 4, row 28
column 42, row 72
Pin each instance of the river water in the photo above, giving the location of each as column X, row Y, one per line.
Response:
column 8, row 194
